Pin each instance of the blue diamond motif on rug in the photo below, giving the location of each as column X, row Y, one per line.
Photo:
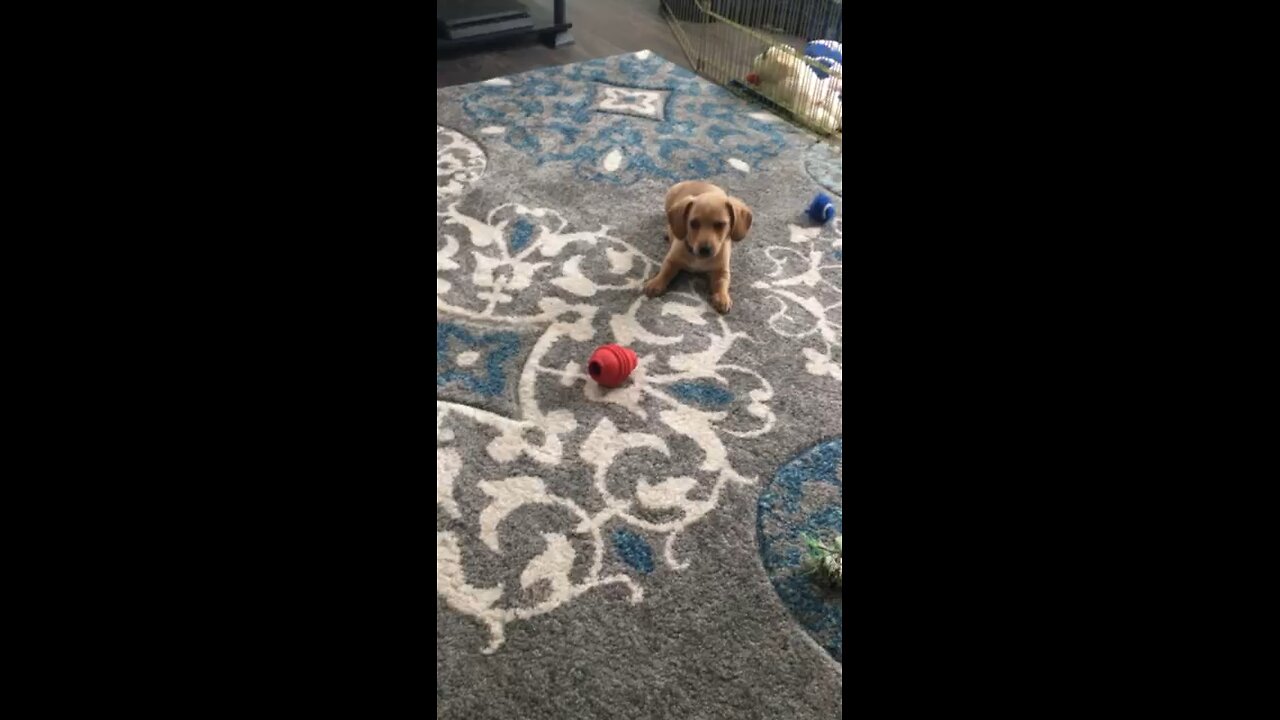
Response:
column 480, row 366
column 702, row 393
column 521, row 234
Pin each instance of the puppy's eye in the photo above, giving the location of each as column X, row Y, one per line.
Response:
column 719, row 225
column 693, row 224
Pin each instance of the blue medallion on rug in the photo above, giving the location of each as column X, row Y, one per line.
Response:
column 697, row 130
column 480, row 366
column 477, row 361
column 804, row 499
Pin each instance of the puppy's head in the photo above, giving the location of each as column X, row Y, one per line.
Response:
column 709, row 220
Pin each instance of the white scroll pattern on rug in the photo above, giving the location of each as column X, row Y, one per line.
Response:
column 806, row 286
column 459, row 162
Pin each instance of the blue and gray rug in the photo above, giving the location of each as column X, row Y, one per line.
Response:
column 635, row 552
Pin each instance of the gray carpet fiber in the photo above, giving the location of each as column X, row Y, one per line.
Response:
column 631, row 552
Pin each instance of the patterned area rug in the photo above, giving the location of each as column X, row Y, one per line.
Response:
column 635, row 552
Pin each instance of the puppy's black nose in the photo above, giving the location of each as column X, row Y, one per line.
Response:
column 705, row 251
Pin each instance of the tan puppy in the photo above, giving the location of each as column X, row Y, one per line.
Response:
column 701, row 219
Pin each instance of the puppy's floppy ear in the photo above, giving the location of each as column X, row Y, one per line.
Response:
column 678, row 218
column 739, row 218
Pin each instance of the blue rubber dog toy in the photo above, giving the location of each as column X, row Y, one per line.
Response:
column 822, row 210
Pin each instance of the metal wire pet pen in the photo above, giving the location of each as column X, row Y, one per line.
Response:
column 786, row 53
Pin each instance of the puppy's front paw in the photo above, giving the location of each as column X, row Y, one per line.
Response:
column 654, row 287
column 721, row 302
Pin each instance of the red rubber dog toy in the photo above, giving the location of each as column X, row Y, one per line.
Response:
column 611, row 364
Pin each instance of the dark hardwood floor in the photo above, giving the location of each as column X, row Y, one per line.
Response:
column 600, row 28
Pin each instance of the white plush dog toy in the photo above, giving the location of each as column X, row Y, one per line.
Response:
column 780, row 75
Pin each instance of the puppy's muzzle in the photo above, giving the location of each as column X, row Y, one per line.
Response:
column 704, row 251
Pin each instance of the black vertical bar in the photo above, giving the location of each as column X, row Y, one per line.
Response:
column 561, row 37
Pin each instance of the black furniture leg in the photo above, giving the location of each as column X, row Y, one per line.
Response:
column 561, row 38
